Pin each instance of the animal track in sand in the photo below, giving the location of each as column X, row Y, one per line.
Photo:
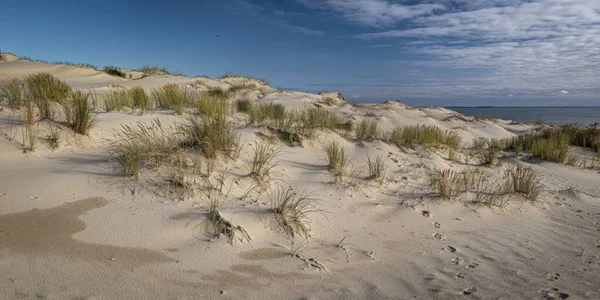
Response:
column 553, row 277
column 554, row 294
column 450, row 249
column 469, row 291
column 439, row 236
column 436, row 225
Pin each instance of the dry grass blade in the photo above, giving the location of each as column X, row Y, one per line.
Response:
column 220, row 226
column 376, row 167
column 263, row 160
column 291, row 210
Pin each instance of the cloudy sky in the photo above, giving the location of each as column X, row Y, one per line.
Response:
column 432, row 52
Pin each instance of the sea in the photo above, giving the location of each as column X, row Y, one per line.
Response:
column 551, row 115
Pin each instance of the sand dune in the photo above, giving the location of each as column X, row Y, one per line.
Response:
column 72, row 227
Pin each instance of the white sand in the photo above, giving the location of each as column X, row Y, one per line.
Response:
column 122, row 240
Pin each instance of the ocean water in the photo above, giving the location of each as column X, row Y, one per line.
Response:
column 551, row 115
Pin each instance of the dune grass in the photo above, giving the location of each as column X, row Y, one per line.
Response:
column 263, row 160
column 376, row 167
column 30, row 132
column 117, row 100
column 172, row 96
column 448, row 183
column 114, row 71
column 428, row 136
column 291, row 210
column 336, row 157
column 267, row 111
column 367, row 129
column 211, row 134
column 45, row 89
column 80, row 117
column 243, row 106
column 13, row 91
column 142, row 144
column 523, row 180
column 315, row 117
column 53, row 136
column 212, row 105
column 154, row 70
column 139, row 99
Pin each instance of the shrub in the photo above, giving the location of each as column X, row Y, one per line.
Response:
column 13, row 92
column 367, row 129
column 243, row 105
column 45, row 89
column 114, row 71
column 211, row 135
column 336, row 157
column 139, row 98
column 291, row 210
column 79, row 116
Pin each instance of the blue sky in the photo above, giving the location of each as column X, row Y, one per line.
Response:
column 432, row 52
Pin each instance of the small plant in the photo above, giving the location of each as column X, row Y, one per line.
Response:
column 139, row 98
column 367, row 129
column 13, row 92
column 154, row 70
column 291, row 210
column 336, row 157
column 212, row 106
column 428, row 136
column 80, row 117
column 448, row 183
column 243, row 105
column 263, row 160
column 45, row 89
column 172, row 96
column 30, row 132
column 53, row 136
column 523, row 180
column 114, row 71
column 267, row 111
column 211, row 135
column 116, row 100
column 376, row 167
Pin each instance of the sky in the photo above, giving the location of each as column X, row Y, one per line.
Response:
column 431, row 52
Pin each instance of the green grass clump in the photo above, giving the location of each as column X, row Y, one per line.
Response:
column 243, row 106
column 267, row 111
column 79, row 116
column 262, row 160
column 117, row 100
column 523, row 180
column 211, row 134
column 154, row 70
column 376, row 167
column 448, row 183
column 13, row 91
column 336, row 157
column 45, row 89
column 139, row 98
column 211, row 105
column 30, row 132
column 172, row 96
column 142, row 145
column 428, row 136
column 114, row 71
column 291, row 210
column 367, row 129
column 316, row 117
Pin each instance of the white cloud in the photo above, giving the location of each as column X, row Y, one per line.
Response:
column 564, row 92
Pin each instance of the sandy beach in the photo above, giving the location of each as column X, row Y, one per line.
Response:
column 73, row 226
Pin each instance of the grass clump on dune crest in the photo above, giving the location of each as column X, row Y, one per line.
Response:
column 243, row 105
column 212, row 106
column 367, row 129
column 154, row 70
column 315, row 117
column 139, row 98
column 172, row 96
column 267, row 111
column 336, row 157
column 428, row 136
column 291, row 210
column 45, row 89
column 114, row 71
column 211, row 134
column 142, row 145
column 13, row 91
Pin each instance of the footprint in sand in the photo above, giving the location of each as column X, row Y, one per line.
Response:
column 460, row 275
column 473, row 265
column 553, row 277
column 439, row 236
column 455, row 260
column 469, row 291
column 450, row 249
column 436, row 225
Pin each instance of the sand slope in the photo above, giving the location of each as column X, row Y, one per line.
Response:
column 71, row 227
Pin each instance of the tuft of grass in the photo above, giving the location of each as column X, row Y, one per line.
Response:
column 154, row 70
column 523, row 180
column 428, row 136
column 211, row 134
column 45, row 89
column 262, row 160
column 139, row 98
column 376, row 167
column 13, row 91
column 80, row 117
column 267, row 111
column 116, row 100
column 114, row 71
column 336, row 157
column 243, row 105
column 448, row 183
column 315, row 117
column 172, row 96
column 212, row 106
column 53, row 136
column 291, row 210
column 367, row 129
column 142, row 145
column 488, row 149
column 30, row 132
